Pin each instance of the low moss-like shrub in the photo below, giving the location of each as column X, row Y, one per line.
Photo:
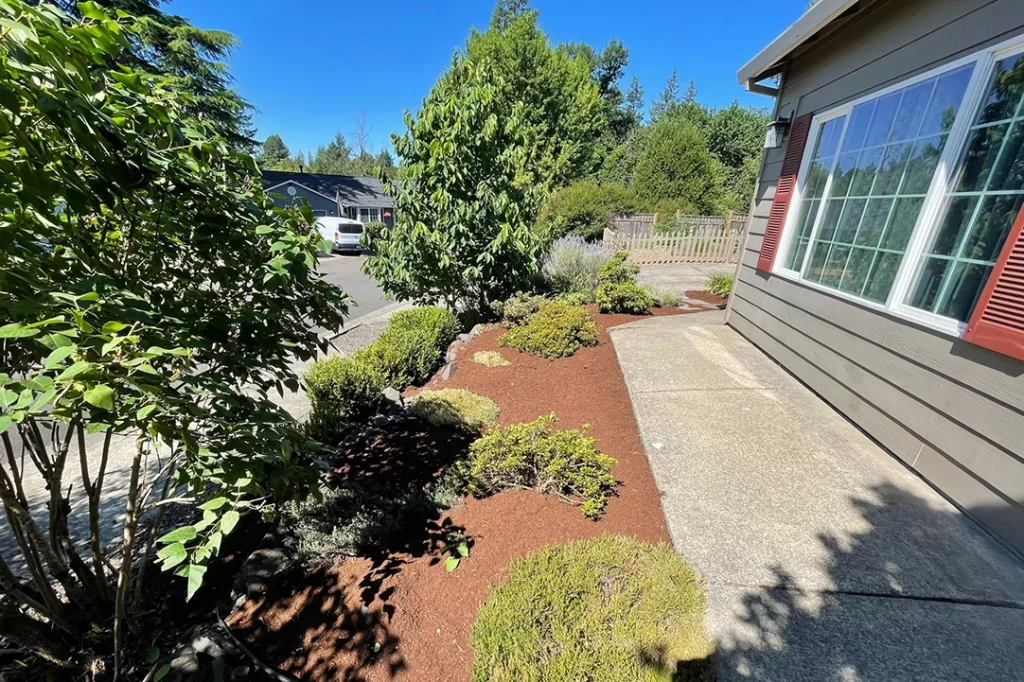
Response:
column 618, row 269
column 456, row 407
column 341, row 391
column 490, row 358
column 411, row 349
column 518, row 310
column 719, row 284
column 663, row 298
column 623, row 297
column 602, row 610
column 557, row 330
column 535, row 455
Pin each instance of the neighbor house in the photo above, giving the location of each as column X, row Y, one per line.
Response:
column 345, row 196
column 884, row 265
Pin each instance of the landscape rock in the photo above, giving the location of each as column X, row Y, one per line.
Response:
column 186, row 661
column 393, row 395
column 446, row 373
column 258, row 569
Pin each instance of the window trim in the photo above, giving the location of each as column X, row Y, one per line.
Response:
column 927, row 225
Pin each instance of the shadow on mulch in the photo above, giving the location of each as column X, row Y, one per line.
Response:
column 331, row 623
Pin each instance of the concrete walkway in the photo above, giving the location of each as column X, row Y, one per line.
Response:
column 825, row 558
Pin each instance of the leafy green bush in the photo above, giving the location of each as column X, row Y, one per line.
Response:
column 676, row 164
column 719, row 284
column 456, row 407
column 585, row 208
column 603, row 610
column 557, row 330
column 341, row 391
column 663, row 297
column 623, row 297
column 490, row 358
column 618, row 270
column 576, row 298
column 344, row 390
column 413, row 346
column 534, row 455
column 572, row 266
column 518, row 310
column 667, row 210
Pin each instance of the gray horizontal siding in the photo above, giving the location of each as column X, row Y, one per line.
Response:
column 951, row 411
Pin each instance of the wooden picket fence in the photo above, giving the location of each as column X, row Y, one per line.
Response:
column 695, row 239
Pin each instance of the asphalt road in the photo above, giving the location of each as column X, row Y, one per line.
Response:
column 345, row 271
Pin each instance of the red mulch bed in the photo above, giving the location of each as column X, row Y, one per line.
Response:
column 416, row 626
column 699, row 295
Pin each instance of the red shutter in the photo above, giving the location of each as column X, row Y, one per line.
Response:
column 998, row 319
column 784, row 192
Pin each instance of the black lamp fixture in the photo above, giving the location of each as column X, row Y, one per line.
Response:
column 777, row 130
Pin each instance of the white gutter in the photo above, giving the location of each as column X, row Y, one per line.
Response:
column 814, row 19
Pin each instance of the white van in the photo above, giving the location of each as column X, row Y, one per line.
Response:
column 343, row 233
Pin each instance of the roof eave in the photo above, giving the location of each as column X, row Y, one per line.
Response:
column 768, row 61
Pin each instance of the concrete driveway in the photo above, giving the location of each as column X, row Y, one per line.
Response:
column 825, row 558
column 345, row 271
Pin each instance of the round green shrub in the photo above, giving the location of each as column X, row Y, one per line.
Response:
column 533, row 455
column 341, row 391
column 618, row 269
column 605, row 610
column 585, row 208
column 623, row 297
column 456, row 407
column 557, row 330
column 520, row 308
column 676, row 164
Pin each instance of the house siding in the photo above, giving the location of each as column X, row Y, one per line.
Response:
column 316, row 202
column 951, row 411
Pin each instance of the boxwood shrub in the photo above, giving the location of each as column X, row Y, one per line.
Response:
column 344, row 390
column 623, row 297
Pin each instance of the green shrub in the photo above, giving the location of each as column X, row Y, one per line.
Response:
column 585, row 208
column 533, row 455
column 676, row 164
column 572, row 266
column 576, row 298
column 456, row 407
column 719, row 284
column 623, row 297
column 341, row 391
column 603, row 610
column 558, row 330
column 413, row 346
column 667, row 210
column 517, row 310
column 344, row 390
column 663, row 297
column 490, row 358
column 618, row 269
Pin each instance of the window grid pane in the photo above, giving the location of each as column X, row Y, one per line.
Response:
column 885, row 166
column 987, row 194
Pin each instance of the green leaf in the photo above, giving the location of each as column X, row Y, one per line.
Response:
column 73, row 371
column 152, row 655
column 183, row 534
column 214, row 504
column 451, row 563
column 54, row 359
column 101, row 395
column 172, row 555
column 162, row 672
column 43, row 399
column 264, row 229
column 90, row 10
column 229, row 521
column 5, row 422
column 462, row 548
column 16, row 330
column 195, row 579
column 96, row 427
column 113, row 327
column 144, row 412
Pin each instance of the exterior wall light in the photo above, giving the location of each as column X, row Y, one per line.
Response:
column 776, row 135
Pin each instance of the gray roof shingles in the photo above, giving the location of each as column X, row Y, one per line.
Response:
column 354, row 191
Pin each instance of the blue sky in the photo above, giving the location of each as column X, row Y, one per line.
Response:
column 313, row 67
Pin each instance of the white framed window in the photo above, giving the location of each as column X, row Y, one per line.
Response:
column 905, row 197
column 369, row 215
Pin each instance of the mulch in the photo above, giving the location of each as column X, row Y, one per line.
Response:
column 402, row 616
column 700, row 295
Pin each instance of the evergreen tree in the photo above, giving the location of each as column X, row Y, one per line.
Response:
column 274, row 153
column 668, row 98
column 334, row 158
column 635, row 100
